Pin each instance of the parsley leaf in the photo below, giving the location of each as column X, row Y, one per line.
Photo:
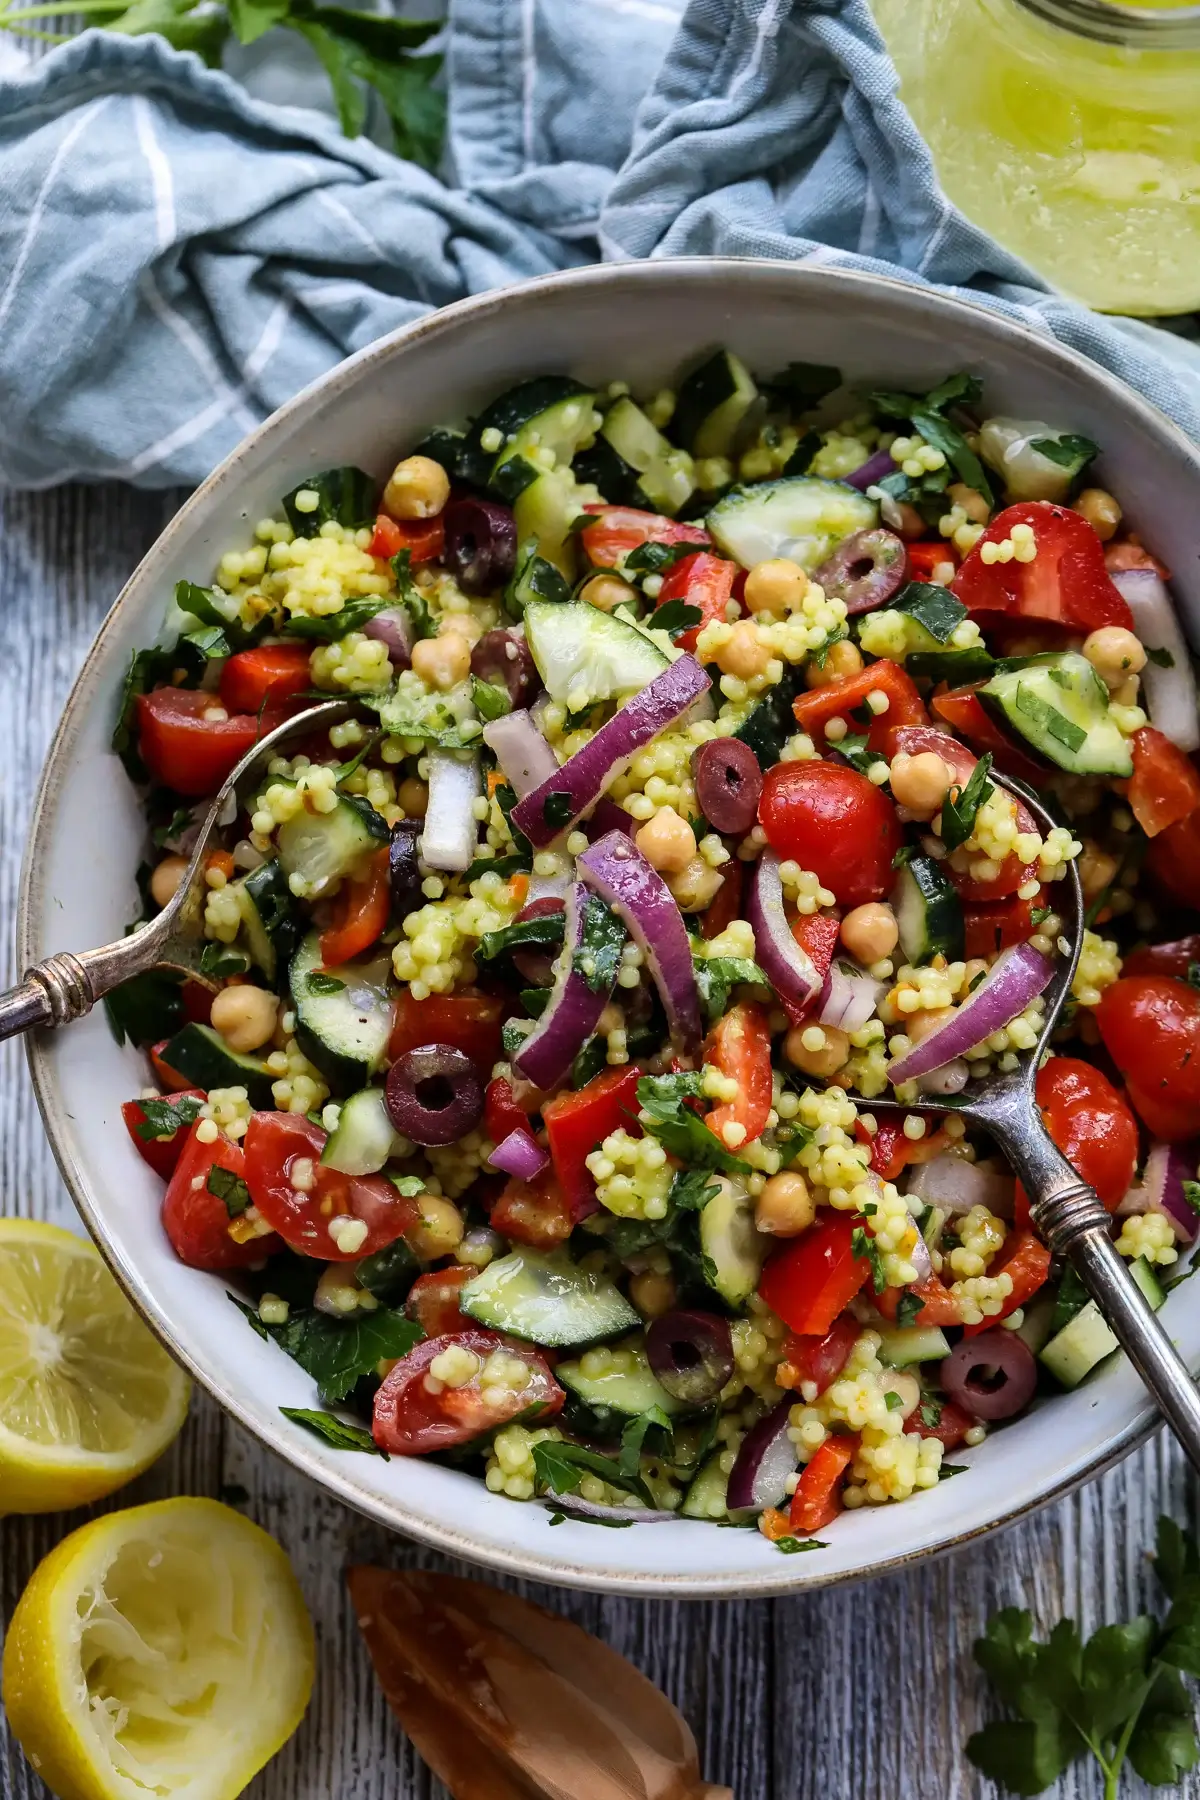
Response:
column 543, row 929
column 320, row 983
column 1162, row 659
column 692, row 1189
column 633, row 1438
column 716, row 975
column 220, row 960
column 675, row 616
column 653, row 559
column 790, row 1140
column 345, row 496
column 600, row 944
column 927, row 415
column 959, row 809
column 679, row 1129
column 1191, row 1193
column 1068, row 451
column 327, row 628
column 934, row 608
column 908, row 1308
column 163, row 1118
column 791, row 1546
column 561, row 1467
column 959, row 667
column 335, row 1431
column 411, row 598
column 491, row 702
column 230, row 1188
column 1055, row 723
column 865, row 1249
column 337, row 1353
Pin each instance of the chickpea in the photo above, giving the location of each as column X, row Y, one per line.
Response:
column 442, row 662
column 785, row 1207
column 841, row 659
column 919, row 1025
column 870, row 932
column 743, row 655
column 821, row 1059
column 245, row 1016
column 440, row 1231
column 607, row 592
column 652, row 1293
column 696, row 885
column 418, row 488
column 1097, row 869
column 413, row 796
column 910, row 523
column 1114, row 653
column 667, row 842
column 777, row 586
column 1101, row 510
column 164, row 883
column 970, row 501
column 899, row 1381
column 920, row 782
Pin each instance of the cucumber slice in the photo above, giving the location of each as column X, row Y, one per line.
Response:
column 1059, row 704
column 508, row 414
column 1086, row 1339
column 270, row 925
column 364, row 1137
column 560, row 427
column 322, row 847
column 804, row 518
column 202, row 1055
column 344, row 1031
column 732, row 1249
column 534, row 579
column 627, row 1392
column 579, row 649
column 1035, row 1327
column 928, row 913
column 903, row 1345
column 545, row 512
column 716, row 406
column 546, row 1299
column 771, row 722
column 706, row 1497
column 632, row 463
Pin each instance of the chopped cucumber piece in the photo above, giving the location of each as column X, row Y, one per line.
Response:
column 716, row 407
column 364, row 1137
column 801, row 517
column 706, row 1497
column 546, row 1299
column 1087, row 1339
column 322, row 847
column 580, row 650
column 771, row 722
column 534, row 579
column 1059, row 704
column 270, row 925
column 509, row 414
column 903, row 1345
column 626, row 1391
column 559, row 428
column 545, row 510
column 732, row 1248
column 202, row 1055
column 632, row 463
column 928, row 913
column 343, row 1029
column 1035, row 1328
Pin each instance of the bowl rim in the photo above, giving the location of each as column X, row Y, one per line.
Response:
column 822, row 281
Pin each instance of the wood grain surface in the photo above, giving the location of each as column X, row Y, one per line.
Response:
column 867, row 1693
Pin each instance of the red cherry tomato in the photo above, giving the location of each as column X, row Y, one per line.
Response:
column 1092, row 1126
column 965, row 713
column 424, row 539
column 1066, row 582
column 197, row 1221
column 739, row 1045
column 533, row 1212
column 832, row 820
column 412, row 1420
column 162, row 1153
column 817, row 1500
column 1151, row 1028
column 182, row 749
column 265, row 677
column 1164, row 787
column 620, row 529
column 841, row 699
column 950, row 1422
column 822, row 1359
column 997, row 926
column 1175, row 958
column 301, row 1214
column 938, row 1305
column 704, row 581
column 433, row 1301
column 1174, row 859
column 360, row 913
column 470, row 1022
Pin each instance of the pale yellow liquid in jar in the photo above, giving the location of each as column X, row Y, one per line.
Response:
column 1083, row 158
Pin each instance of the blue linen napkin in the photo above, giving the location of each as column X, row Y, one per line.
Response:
column 177, row 258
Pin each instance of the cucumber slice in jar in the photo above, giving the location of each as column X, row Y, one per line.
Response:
column 732, row 1248
column 928, row 913
column 364, row 1137
column 620, row 1390
column 546, row 1299
column 343, row 1029
column 319, row 848
column 202, row 1056
column 803, row 517
column 579, row 649
column 1087, row 1339
column 1059, row 704
column 716, row 406
column 632, row 463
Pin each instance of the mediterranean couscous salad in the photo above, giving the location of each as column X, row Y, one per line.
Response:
column 525, row 1090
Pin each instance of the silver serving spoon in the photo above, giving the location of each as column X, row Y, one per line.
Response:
column 1068, row 1213
column 67, row 986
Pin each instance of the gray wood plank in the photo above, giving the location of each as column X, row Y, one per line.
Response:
column 861, row 1693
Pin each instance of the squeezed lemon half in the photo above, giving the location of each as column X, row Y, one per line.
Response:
column 88, row 1398
column 164, row 1651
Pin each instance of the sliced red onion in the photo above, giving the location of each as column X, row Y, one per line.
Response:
column 519, row 1155
column 615, row 869
column 393, row 627
column 1016, row 977
column 1170, row 693
column 607, row 816
column 572, row 1013
column 848, row 998
column 789, row 969
column 993, row 1375
column 451, row 828
column 522, row 752
column 865, row 571
column 951, row 1078
column 920, row 1258
column 584, row 776
column 1168, row 1166
column 765, row 1460
column 574, row 1506
column 873, row 470
column 954, row 1185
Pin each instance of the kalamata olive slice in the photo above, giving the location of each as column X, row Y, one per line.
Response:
column 692, row 1355
column 728, row 783
column 434, row 1095
column 992, row 1376
column 403, row 867
column 481, row 544
column 505, row 659
column 865, row 571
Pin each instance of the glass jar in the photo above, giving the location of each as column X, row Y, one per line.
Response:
column 1070, row 131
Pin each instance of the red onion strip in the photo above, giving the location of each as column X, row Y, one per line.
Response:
column 1170, row 692
column 1168, row 1166
column 517, row 1154
column 573, row 1012
column 1016, row 977
column 615, row 869
column 393, row 627
column 789, row 969
column 765, row 1460
column 873, row 470
column 848, row 998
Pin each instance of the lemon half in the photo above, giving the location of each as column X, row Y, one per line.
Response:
column 162, row 1651
column 88, row 1398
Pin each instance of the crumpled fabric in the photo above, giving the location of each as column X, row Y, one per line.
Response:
column 177, row 257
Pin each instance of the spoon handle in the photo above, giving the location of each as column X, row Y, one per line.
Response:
column 65, row 987
column 1073, row 1222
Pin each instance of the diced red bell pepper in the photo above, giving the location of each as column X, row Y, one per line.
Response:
column 501, row 1114
column 739, row 1045
column 470, row 1022
column 265, row 677
column 433, row 1301
column 424, row 539
column 923, row 559
column 964, row 712
column 1164, row 786
column 620, row 529
column 951, row 1422
column 817, row 1500
column 1026, row 1261
column 1067, row 581
column 997, row 926
column 938, row 1305
column 892, row 1152
column 162, row 1153
column 842, row 698
column 726, row 905
column 169, row 1079
column 577, row 1124
column 810, row 1280
column 702, row 580
column 534, row 1212
column 360, row 913
column 817, row 935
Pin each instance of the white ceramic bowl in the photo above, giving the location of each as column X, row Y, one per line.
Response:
column 638, row 322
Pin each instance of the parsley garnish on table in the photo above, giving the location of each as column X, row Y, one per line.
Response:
column 1119, row 1697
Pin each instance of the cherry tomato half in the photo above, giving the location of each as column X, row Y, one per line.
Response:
column 533, row 1212
column 620, row 529
column 265, row 676
column 301, row 1212
column 1091, row 1124
column 415, row 1414
column 433, row 1301
column 197, row 1220
column 739, row 1045
column 182, row 748
column 162, row 1152
column 832, row 820
column 822, row 1359
column 1164, row 787
column 360, row 913
column 1174, row 859
column 1151, row 1028
column 470, row 1022
column 1066, row 582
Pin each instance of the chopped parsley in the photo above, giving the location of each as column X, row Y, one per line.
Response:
column 960, row 808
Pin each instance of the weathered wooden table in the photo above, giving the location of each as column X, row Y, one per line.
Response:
column 866, row 1693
